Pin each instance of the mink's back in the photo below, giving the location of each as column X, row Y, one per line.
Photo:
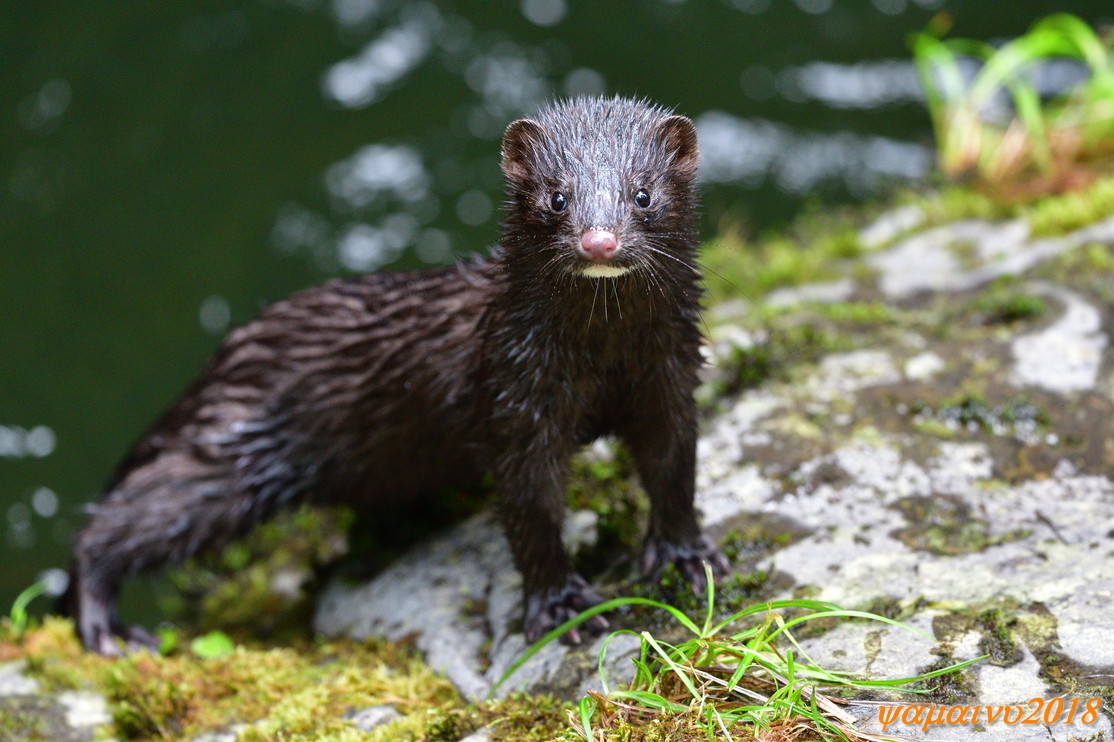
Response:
column 359, row 389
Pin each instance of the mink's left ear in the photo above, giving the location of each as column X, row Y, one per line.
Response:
column 677, row 135
column 520, row 143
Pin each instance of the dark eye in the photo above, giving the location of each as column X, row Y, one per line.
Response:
column 642, row 198
column 558, row 202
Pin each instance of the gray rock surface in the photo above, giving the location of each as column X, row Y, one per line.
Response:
column 69, row 716
column 14, row 683
column 375, row 716
column 944, row 465
column 84, row 709
column 967, row 254
column 1066, row 356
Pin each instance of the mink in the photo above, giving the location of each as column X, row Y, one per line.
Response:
column 372, row 390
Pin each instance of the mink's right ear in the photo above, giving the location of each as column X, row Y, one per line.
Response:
column 678, row 136
column 519, row 140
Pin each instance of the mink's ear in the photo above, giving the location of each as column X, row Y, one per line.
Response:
column 677, row 135
column 519, row 140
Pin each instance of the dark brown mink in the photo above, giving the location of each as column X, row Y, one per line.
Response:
column 368, row 390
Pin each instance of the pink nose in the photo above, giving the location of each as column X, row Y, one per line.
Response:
column 597, row 245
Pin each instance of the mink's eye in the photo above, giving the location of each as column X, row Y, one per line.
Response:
column 642, row 198
column 557, row 201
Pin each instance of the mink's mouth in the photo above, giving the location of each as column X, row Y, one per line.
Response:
column 605, row 270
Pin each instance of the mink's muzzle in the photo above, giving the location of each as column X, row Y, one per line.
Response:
column 598, row 246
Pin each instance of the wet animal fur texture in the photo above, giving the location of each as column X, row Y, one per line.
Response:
column 389, row 386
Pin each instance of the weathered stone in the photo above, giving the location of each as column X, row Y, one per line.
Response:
column 38, row 718
column 1066, row 356
column 84, row 708
column 890, row 225
column 14, row 683
column 216, row 737
column 963, row 255
column 374, row 716
column 924, row 366
column 822, row 293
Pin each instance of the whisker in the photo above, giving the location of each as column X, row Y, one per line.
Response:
column 604, row 305
column 651, row 248
column 702, row 266
column 592, row 311
column 679, row 282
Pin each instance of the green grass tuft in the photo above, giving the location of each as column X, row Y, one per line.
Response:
column 725, row 682
column 1043, row 146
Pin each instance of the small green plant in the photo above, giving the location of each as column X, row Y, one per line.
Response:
column 723, row 682
column 1050, row 139
column 213, row 645
column 18, row 615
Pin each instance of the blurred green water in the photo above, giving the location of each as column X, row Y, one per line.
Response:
column 167, row 168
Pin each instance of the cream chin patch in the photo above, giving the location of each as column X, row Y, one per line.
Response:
column 605, row 271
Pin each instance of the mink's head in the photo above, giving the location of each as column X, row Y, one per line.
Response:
column 600, row 188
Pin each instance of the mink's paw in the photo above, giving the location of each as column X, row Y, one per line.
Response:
column 689, row 560
column 136, row 639
column 549, row 609
column 122, row 640
column 104, row 635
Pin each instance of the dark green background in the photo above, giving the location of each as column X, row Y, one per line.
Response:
column 149, row 151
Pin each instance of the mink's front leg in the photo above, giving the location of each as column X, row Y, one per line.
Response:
column 530, row 481
column 661, row 434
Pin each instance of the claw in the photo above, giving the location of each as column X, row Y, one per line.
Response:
column 550, row 609
column 689, row 560
column 102, row 632
column 138, row 639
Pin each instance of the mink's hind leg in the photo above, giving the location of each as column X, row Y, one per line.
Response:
column 93, row 608
column 161, row 513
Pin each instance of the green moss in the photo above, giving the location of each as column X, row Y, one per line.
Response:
column 606, row 485
column 998, row 641
column 263, row 584
column 1070, row 211
column 1088, row 270
column 1007, row 306
column 738, row 270
column 16, row 724
column 787, row 338
column 933, row 427
column 302, row 691
column 897, row 609
column 856, row 312
column 807, row 250
column 305, row 690
column 517, row 717
column 670, row 587
column 732, row 594
column 945, row 525
column 1047, row 216
column 950, row 689
column 955, row 203
column 784, row 345
column 753, row 540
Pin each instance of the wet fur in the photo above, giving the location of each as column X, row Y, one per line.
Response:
column 389, row 386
